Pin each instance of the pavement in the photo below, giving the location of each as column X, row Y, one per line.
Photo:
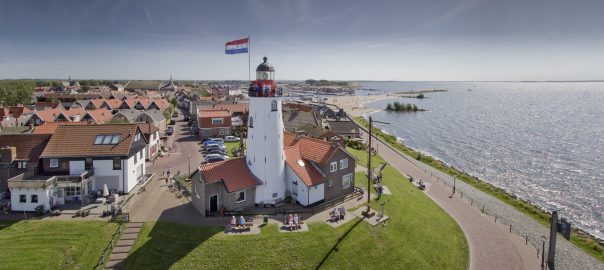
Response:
column 491, row 246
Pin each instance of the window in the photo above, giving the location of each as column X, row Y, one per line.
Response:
column 333, row 166
column 107, row 139
column 115, row 139
column 141, row 154
column 346, row 181
column 117, row 163
column 330, row 182
column 22, row 164
column 343, row 163
column 88, row 163
column 54, row 163
column 72, row 191
column 251, row 122
column 135, row 158
column 295, row 183
column 34, row 198
column 240, row 196
column 217, row 121
column 22, row 198
column 274, row 105
column 275, row 195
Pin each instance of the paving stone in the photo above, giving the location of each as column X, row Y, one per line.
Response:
column 129, row 236
column 114, row 264
column 122, row 249
column 132, row 230
column 118, row 256
column 134, row 225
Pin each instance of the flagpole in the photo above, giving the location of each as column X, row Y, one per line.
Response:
column 249, row 57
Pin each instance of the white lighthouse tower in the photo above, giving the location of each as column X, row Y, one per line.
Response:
column 265, row 156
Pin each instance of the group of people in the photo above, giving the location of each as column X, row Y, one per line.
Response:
column 234, row 224
column 292, row 221
column 337, row 214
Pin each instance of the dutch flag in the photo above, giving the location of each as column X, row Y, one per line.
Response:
column 237, row 46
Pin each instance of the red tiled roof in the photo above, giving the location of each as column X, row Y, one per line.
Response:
column 147, row 128
column 234, row 108
column 303, row 168
column 162, row 103
column 234, row 174
column 52, row 105
column 75, row 111
column 315, row 150
column 130, row 102
column 97, row 102
column 79, row 140
column 213, row 113
column 49, row 115
column 113, row 103
column 50, row 127
column 300, row 107
column 29, row 146
column 100, row 115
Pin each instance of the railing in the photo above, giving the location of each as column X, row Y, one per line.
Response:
column 114, row 239
column 75, row 178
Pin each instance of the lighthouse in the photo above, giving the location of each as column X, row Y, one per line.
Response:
column 265, row 157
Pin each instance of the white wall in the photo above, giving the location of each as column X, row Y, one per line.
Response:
column 316, row 193
column 265, row 148
column 131, row 170
column 76, row 167
column 43, row 199
column 104, row 174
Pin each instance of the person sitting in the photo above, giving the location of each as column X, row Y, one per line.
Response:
column 342, row 212
column 290, row 220
column 296, row 220
column 241, row 222
column 233, row 223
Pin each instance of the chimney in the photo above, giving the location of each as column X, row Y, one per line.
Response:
column 335, row 141
column 8, row 154
column 298, row 133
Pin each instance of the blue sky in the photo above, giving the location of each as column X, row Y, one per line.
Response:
column 337, row 40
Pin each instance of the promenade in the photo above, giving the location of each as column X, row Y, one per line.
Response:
column 491, row 245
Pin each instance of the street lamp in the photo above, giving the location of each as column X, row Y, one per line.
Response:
column 189, row 159
column 369, row 170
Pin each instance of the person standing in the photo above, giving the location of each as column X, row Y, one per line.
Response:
column 167, row 174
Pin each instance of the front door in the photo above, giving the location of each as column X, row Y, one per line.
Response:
column 214, row 203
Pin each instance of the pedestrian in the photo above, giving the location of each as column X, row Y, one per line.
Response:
column 167, row 174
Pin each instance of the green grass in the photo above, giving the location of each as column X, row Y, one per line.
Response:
column 53, row 244
column 419, row 235
column 230, row 146
column 584, row 241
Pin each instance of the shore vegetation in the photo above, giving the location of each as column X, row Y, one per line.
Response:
column 580, row 238
column 402, row 107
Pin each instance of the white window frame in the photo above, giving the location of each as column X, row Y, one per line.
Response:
column 237, row 196
column 343, row 163
column 346, row 181
column 333, row 166
column 330, row 182
column 53, row 163
column 215, row 121
column 21, row 164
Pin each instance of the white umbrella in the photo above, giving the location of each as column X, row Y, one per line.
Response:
column 105, row 190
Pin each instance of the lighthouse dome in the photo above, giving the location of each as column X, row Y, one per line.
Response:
column 265, row 66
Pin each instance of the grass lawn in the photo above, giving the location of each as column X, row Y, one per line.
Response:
column 419, row 235
column 53, row 244
column 230, row 146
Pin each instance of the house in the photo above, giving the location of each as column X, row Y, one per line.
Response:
column 48, row 105
column 155, row 117
column 19, row 154
column 169, row 86
column 98, row 116
column 295, row 116
column 151, row 133
column 214, row 123
column 229, row 184
column 117, row 87
column 78, row 161
column 346, row 129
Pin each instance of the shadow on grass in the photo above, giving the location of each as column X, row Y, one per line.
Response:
column 335, row 246
column 167, row 243
column 4, row 224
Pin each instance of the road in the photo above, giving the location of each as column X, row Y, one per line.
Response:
column 491, row 245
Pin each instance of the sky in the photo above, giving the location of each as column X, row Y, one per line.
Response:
column 429, row 40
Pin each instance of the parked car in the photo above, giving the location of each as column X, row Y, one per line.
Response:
column 205, row 144
column 217, row 151
column 214, row 146
column 218, row 140
column 215, row 159
column 209, row 156
column 175, row 114
column 231, row 139
column 186, row 119
column 170, row 131
column 172, row 121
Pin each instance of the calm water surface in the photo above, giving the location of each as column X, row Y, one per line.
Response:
column 542, row 141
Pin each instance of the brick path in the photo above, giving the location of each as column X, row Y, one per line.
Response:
column 491, row 246
column 123, row 246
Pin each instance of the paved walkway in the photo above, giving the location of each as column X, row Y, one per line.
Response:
column 123, row 246
column 491, row 246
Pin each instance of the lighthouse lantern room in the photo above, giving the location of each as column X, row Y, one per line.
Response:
column 265, row 157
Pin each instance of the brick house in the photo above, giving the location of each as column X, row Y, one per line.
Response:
column 214, row 123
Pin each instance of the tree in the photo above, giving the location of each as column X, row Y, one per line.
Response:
column 13, row 92
column 85, row 88
column 414, row 108
column 408, row 107
column 389, row 107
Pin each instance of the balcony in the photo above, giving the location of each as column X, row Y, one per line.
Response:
column 45, row 181
column 75, row 178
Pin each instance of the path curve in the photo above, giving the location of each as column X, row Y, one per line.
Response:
column 490, row 246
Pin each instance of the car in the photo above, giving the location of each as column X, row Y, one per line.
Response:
column 217, row 151
column 175, row 114
column 218, row 140
column 231, row 139
column 186, row 118
column 172, row 122
column 205, row 144
column 214, row 146
column 170, row 131
column 215, row 159
column 209, row 156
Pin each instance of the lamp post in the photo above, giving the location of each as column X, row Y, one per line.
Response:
column 189, row 159
column 369, row 169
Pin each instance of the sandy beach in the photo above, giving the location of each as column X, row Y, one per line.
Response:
column 355, row 105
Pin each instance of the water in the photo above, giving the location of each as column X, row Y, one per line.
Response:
column 542, row 141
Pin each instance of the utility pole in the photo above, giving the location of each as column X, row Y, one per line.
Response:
column 369, row 169
column 189, row 159
column 551, row 254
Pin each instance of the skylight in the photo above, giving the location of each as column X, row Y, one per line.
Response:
column 108, row 139
column 301, row 163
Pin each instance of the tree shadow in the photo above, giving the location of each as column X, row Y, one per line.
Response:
column 174, row 235
column 5, row 224
column 335, row 246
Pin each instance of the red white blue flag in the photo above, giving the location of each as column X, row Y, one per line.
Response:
column 237, row 46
